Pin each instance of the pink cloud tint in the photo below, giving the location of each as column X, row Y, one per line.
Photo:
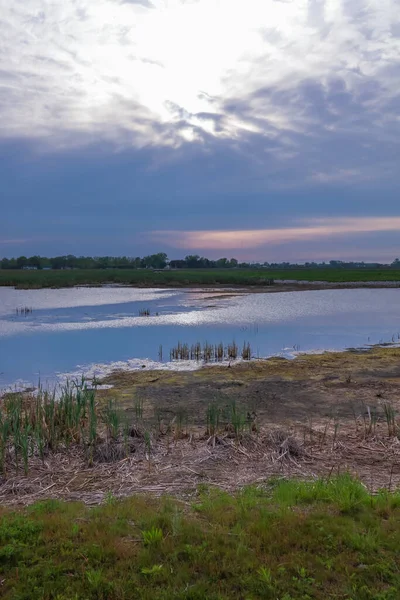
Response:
column 16, row 241
column 253, row 238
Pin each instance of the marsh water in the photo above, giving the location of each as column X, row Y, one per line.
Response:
column 49, row 334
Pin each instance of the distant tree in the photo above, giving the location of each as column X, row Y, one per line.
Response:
column 336, row 263
column 35, row 262
column 22, row 262
column 71, row 261
column 178, row 264
column 104, row 262
column 222, row 263
column 160, row 260
column 192, row 261
column 123, row 262
column 5, row 263
column 155, row 261
column 58, row 262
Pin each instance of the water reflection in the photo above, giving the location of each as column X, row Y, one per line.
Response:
column 85, row 329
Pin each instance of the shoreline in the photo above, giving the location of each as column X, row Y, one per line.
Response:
column 102, row 373
column 236, row 288
column 371, row 351
column 289, row 286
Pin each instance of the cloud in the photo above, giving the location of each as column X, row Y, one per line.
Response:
column 340, row 175
column 126, row 74
column 146, row 3
column 314, row 229
column 12, row 242
column 181, row 113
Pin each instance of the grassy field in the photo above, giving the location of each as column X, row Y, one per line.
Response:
column 285, row 540
column 186, row 277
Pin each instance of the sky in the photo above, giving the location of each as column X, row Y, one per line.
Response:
column 257, row 129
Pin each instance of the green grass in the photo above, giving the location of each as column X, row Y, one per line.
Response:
column 286, row 540
column 186, row 277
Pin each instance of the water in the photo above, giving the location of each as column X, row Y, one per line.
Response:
column 94, row 330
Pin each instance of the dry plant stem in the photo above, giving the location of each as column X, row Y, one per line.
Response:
column 65, row 473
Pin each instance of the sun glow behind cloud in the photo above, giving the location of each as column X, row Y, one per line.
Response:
column 138, row 74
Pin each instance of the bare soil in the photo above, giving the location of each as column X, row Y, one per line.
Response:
column 280, row 391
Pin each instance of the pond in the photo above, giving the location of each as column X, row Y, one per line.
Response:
column 49, row 334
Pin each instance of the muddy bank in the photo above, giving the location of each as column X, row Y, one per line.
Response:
column 278, row 390
column 223, row 291
column 334, row 405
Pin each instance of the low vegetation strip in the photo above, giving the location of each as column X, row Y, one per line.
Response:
column 283, row 540
column 59, row 278
column 134, row 277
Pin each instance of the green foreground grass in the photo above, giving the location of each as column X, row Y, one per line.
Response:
column 286, row 540
column 186, row 277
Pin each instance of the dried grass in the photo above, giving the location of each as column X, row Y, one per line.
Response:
column 284, row 443
column 178, row 467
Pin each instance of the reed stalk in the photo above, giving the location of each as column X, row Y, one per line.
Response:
column 207, row 352
column 213, row 419
column 390, row 416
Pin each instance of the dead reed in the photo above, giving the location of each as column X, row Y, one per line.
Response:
column 25, row 310
column 210, row 352
column 53, row 441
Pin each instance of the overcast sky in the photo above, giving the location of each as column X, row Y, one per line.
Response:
column 260, row 129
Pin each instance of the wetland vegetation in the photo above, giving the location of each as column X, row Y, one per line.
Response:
column 170, row 431
column 135, row 277
column 269, row 479
column 210, row 352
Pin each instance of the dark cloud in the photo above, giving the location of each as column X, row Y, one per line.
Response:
column 329, row 127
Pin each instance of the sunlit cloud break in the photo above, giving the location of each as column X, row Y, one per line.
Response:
column 253, row 238
column 165, row 71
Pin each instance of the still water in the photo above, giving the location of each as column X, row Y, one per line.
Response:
column 94, row 330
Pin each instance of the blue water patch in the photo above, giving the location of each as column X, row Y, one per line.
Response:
column 80, row 330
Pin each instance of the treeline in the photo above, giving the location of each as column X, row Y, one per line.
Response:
column 154, row 261
column 161, row 261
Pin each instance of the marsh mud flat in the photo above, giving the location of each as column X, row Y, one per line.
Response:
column 279, row 285
column 291, row 285
column 316, row 415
